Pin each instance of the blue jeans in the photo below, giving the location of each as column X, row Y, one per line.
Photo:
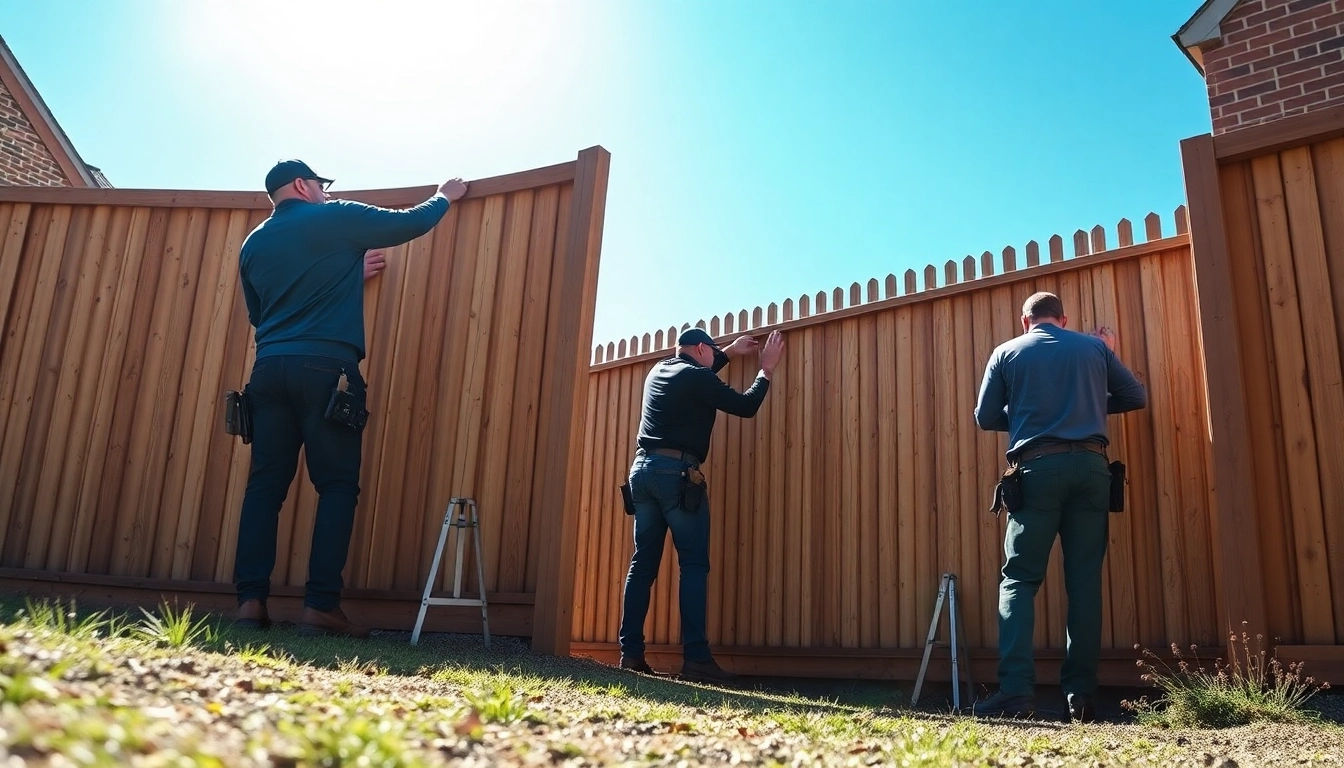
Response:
column 288, row 395
column 1064, row 495
column 655, row 483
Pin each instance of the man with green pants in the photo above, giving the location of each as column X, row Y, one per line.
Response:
column 1050, row 390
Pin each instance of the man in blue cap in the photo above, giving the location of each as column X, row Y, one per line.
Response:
column 303, row 272
column 682, row 396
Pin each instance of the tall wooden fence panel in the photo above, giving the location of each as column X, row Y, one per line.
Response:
column 123, row 324
column 1270, row 249
column 864, row 477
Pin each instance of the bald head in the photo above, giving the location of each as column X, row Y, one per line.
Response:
column 1043, row 306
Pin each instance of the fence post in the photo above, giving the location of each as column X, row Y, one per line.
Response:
column 1233, row 513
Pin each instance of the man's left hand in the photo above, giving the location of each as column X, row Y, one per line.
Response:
column 742, row 345
column 374, row 262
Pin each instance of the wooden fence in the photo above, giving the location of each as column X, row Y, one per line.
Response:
column 123, row 325
column 864, row 477
column 1269, row 246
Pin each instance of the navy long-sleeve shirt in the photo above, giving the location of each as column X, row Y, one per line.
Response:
column 1052, row 384
column 682, row 398
column 302, row 271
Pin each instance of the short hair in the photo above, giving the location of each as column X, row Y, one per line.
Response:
column 1042, row 305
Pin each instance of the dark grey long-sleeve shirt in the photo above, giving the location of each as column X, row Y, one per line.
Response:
column 681, row 399
column 1052, row 384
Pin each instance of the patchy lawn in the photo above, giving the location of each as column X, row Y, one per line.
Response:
column 99, row 689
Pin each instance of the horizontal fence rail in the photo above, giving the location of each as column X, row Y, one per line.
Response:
column 953, row 273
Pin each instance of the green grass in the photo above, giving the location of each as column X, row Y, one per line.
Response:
column 301, row 700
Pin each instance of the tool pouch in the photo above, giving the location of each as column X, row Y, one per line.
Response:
column 693, row 488
column 345, row 407
column 627, row 498
column 1117, row 501
column 1008, row 491
column 238, row 415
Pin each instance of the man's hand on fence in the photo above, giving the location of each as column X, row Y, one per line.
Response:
column 772, row 352
column 1106, row 335
column 453, row 189
column 374, row 262
column 742, row 345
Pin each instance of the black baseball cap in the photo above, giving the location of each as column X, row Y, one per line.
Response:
column 692, row 336
column 287, row 171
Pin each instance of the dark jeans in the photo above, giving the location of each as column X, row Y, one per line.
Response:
column 289, row 395
column 655, row 483
column 1064, row 495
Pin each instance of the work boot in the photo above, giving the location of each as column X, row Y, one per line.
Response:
column 252, row 615
column 1002, row 704
column 706, row 672
column 333, row 622
column 1081, row 708
column 636, row 664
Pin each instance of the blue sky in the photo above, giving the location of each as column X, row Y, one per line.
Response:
column 760, row 150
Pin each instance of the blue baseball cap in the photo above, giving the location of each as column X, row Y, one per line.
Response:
column 287, row 171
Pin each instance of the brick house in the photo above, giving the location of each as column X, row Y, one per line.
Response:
column 34, row 151
column 1264, row 60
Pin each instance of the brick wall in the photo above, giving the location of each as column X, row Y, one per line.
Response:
column 24, row 159
column 1276, row 58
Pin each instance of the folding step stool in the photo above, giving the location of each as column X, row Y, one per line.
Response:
column 461, row 521
column 947, row 589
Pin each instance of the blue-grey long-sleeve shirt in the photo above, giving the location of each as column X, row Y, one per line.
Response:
column 682, row 398
column 1052, row 384
column 302, row 271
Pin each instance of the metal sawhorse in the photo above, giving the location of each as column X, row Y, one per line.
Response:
column 462, row 521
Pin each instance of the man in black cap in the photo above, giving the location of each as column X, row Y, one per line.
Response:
column 682, row 396
column 303, row 272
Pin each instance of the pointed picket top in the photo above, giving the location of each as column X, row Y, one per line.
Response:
column 658, row 340
column 611, row 351
column 1033, row 254
column 598, row 357
column 1009, row 259
column 1056, row 248
column 855, row 295
column 772, row 313
column 987, row 264
column 742, row 321
column 930, row 277
column 1080, row 247
column 634, row 345
column 968, row 268
column 910, row 282
column 821, row 303
column 757, row 319
column 1124, row 233
column 1152, row 225
column 872, row 290
column 1098, row 239
column 837, row 299
column 620, row 350
column 714, row 327
column 1182, row 220
column 804, row 306
column 950, row 272
column 788, row 310
column 889, row 287
column 728, row 323
column 645, row 344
